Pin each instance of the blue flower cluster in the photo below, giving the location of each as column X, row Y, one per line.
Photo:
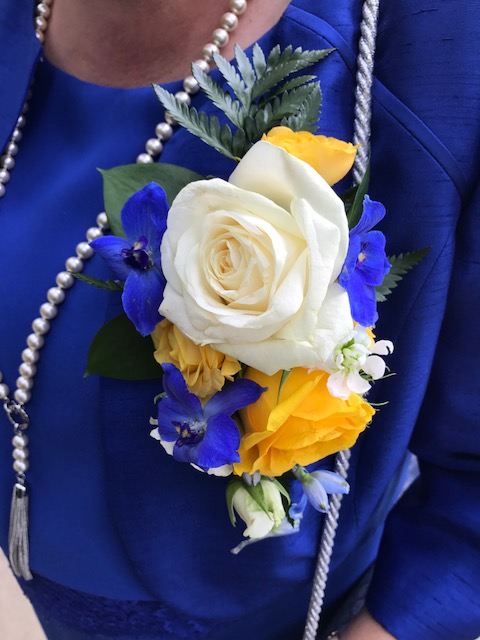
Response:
column 206, row 436
column 136, row 259
column 366, row 264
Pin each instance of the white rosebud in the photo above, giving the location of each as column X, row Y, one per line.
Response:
column 260, row 521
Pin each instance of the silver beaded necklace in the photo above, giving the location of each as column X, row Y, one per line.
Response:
column 15, row 407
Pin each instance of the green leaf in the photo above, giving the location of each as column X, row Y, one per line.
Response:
column 233, row 79
column 225, row 134
column 280, row 64
column 296, row 103
column 291, row 102
column 239, row 144
column 106, row 285
column 220, row 98
column 256, row 491
column 401, row 264
column 246, row 69
column 348, row 197
column 285, row 375
column 122, row 182
column 119, row 351
column 355, row 213
column 231, row 489
column 259, row 60
column 282, row 490
column 197, row 123
column 307, row 117
column 298, row 81
column 250, row 128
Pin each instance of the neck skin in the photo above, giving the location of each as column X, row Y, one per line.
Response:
column 131, row 43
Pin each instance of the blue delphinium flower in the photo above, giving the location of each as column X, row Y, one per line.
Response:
column 317, row 485
column 365, row 265
column 299, row 502
column 136, row 260
column 206, row 436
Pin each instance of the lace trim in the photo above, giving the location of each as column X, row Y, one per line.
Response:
column 112, row 618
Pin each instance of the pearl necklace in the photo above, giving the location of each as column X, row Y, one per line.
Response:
column 64, row 280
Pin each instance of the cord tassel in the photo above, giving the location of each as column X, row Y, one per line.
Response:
column 18, row 533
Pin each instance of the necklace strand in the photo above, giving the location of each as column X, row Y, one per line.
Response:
column 15, row 408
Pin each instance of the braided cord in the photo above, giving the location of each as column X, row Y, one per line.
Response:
column 342, row 462
column 363, row 91
column 362, row 128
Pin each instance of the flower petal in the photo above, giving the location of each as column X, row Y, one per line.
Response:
column 141, row 298
column 357, row 384
column 372, row 213
column 145, row 214
column 168, row 446
column 337, row 385
column 259, row 523
column 374, row 366
column 375, row 265
column 177, row 391
column 110, row 249
column 362, row 301
column 382, row 347
column 316, row 494
column 169, row 415
column 299, row 501
column 221, row 472
column 220, row 443
column 232, row 397
column 350, row 261
column 332, row 482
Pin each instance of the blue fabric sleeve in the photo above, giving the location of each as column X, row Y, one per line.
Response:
column 427, row 581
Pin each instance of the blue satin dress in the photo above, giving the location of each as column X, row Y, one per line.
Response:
column 126, row 542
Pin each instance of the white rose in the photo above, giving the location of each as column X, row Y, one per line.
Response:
column 260, row 521
column 251, row 263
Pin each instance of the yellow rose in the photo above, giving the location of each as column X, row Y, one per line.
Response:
column 332, row 158
column 301, row 426
column 203, row 368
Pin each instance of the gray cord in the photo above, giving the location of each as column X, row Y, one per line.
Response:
column 342, row 462
column 363, row 115
column 363, row 91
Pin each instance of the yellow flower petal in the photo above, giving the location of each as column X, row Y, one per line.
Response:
column 204, row 369
column 301, row 425
column 332, row 158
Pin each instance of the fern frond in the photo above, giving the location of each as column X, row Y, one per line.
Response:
column 198, row 123
column 290, row 102
column 106, row 285
column 280, row 64
column 259, row 61
column 288, row 86
column 220, row 98
column 307, row 117
column 233, row 79
column 240, row 145
column 401, row 264
column 246, row 69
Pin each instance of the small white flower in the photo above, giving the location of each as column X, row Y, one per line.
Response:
column 358, row 353
column 261, row 520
